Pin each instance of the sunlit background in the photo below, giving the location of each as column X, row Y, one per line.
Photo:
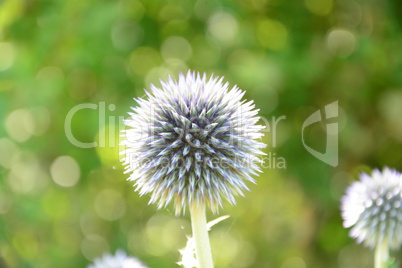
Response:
column 62, row 205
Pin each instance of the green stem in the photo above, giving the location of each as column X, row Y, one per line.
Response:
column 381, row 255
column 200, row 234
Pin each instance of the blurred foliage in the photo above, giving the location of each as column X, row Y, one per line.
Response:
column 61, row 205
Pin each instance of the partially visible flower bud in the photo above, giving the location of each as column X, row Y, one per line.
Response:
column 372, row 206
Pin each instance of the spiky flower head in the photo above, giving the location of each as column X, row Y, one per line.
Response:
column 372, row 206
column 192, row 141
column 119, row 260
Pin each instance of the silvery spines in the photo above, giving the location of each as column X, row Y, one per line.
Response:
column 372, row 206
column 192, row 141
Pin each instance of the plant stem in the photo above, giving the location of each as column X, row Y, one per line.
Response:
column 200, row 234
column 381, row 255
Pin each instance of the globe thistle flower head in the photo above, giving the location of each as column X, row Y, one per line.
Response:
column 372, row 206
column 119, row 260
column 192, row 141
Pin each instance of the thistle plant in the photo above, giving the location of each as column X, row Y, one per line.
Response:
column 119, row 260
column 372, row 206
column 195, row 143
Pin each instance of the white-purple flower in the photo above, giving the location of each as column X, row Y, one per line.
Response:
column 193, row 141
column 119, row 260
column 372, row 206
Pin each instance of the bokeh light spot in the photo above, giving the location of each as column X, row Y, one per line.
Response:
column 389, row 106
column 65, row 171
column 51, row 81
column 173, row 11
column 126, row 35
column 223, row 26
column 93, row 246
column 56, row 204
column 272, row 34
column 173, row 235
column 176, row 47
column 319, row 7
column 18, row 125
column 176, row 66
column 25, row 175
column 49, row 73
column 254, row 70
column 341, row 42
column 156, row 74
column 163, row 234
column 110, row 205
column 143, row 59
column 90, row 223
column 41, row 121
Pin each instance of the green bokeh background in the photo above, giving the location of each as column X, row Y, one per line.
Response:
column 61, row 205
